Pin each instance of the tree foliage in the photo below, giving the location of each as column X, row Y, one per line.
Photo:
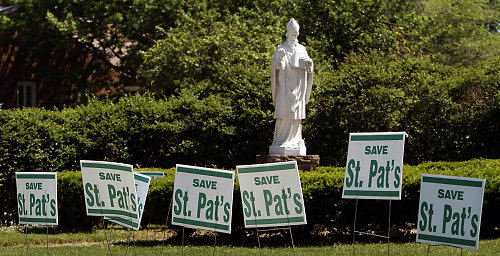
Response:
column 212, row 48
column 459, row 32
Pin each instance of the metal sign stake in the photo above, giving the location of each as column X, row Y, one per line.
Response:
column 27, row 242
column 166, row 223
column 110, row 232
column 47, row 225
column 182, row 246
column 258, row 241
column 354, row 228
column 291, row 237
column 370, row 234
column 389, row 229
column 133, row 239
column 215, row 241
column 274, row 229
column 47, row 239
column 105, row 234
column 128, row 243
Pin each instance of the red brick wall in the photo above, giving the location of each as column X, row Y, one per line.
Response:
column 54, row 70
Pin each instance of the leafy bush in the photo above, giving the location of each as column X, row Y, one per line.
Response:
column 450, row 114
column 159, row 197
column 72, row 214
column 322, row 194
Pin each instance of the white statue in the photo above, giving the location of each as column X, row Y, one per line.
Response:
column 291, row 83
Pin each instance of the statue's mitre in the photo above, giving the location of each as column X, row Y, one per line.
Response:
column 292, row 26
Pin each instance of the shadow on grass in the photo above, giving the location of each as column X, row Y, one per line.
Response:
column 241, row 238
column 271, row 239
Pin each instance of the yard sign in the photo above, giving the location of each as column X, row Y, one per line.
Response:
column 109, row 189
column 153, row 174
column 450, row 210
column 203, row 198
column 271, row 195
column 37, row 198
column 142, row 186
column 374, row 168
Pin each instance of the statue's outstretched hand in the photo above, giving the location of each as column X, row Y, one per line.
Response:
column 281, row 53
column 281, row 59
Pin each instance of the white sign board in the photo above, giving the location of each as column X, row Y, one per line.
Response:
column 374, row 168
column 203, row 198
column 142, row 186
column 37, row 198
column 153, row 174
column 271, row 195
column 450, row 210
column 109, row 189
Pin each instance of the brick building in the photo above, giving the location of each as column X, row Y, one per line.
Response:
column 49, row 73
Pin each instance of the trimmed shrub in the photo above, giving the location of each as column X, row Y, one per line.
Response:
column 72, row 214
column 138, row 129
column 159, row 197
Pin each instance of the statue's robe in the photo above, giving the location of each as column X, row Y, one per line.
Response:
column 291, row 84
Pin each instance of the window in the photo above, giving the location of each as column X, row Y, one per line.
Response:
column 26, row 94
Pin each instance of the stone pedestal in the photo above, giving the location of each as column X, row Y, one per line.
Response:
column 291, row 151
column 305, row 163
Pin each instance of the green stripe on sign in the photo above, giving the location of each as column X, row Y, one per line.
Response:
column 108, row 211
column 451, row 181
column 139, row 178
column 153, row 173
column 204, row 172
column 377, row 137
column 36, row 176
column 267, row 168
column 125, row 221
column 201, row 223
column 107, row 166
column 371, row 193
column 449, row 240
column 275, row 221
column 39, row 220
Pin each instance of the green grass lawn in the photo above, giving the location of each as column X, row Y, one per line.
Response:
column 13, row 242
column 488, row 247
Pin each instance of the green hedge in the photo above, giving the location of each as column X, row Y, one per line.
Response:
column 72, row 214
column 322, row 194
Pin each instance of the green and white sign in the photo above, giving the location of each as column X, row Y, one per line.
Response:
column 153, row 174
column 37, row 198
column 141, row 186
column 450, row 210
column 271, row 195
column 109, row 190
column 203, row 198
column 374, row 168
